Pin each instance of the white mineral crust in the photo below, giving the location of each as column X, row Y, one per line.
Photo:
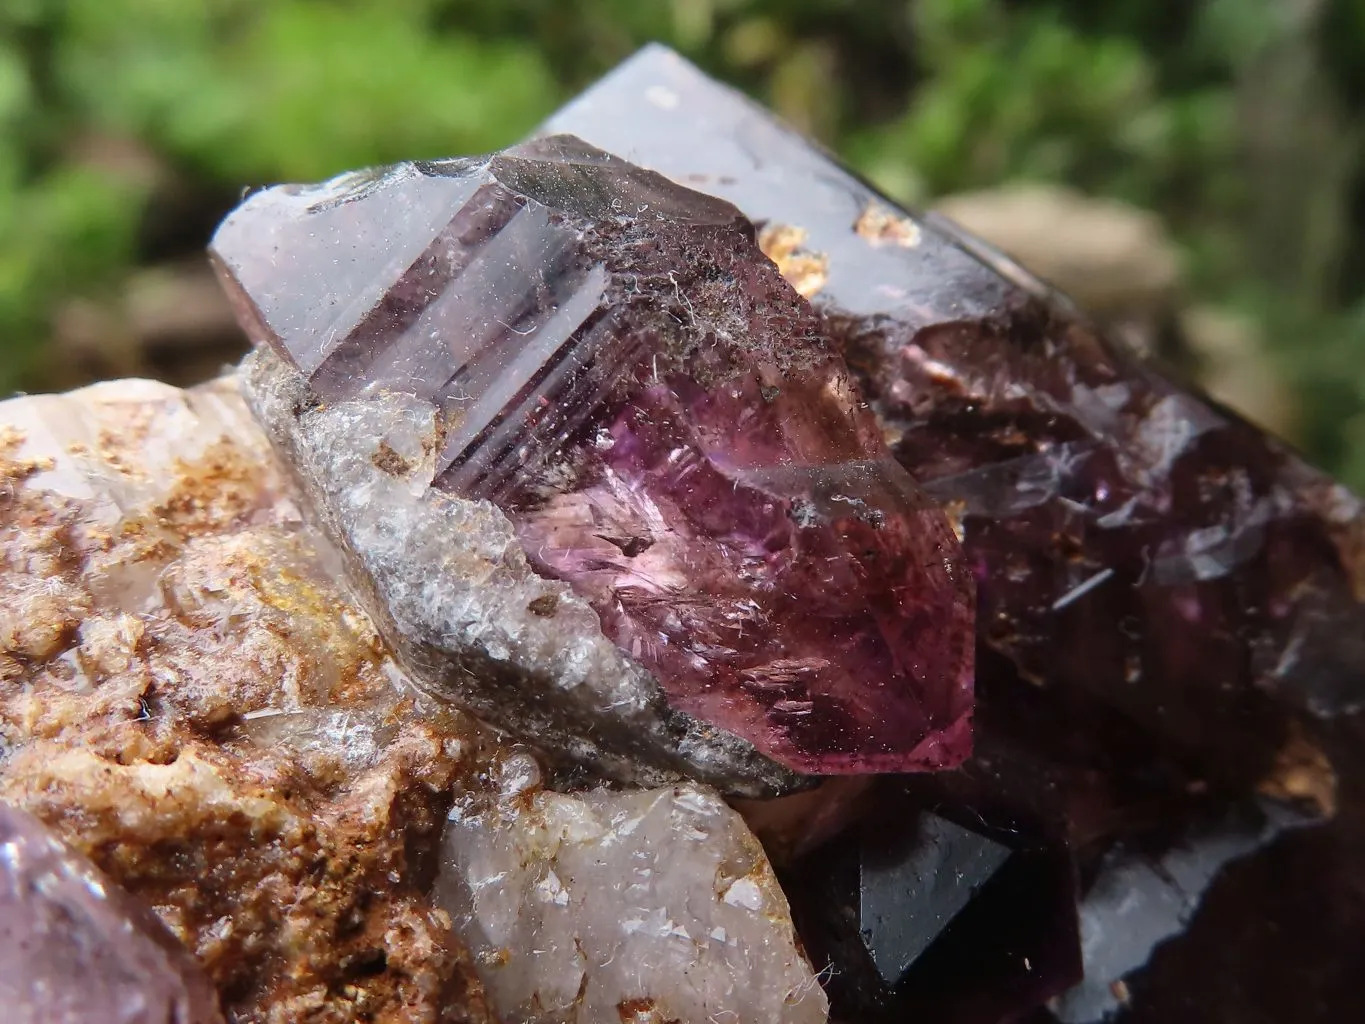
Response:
column 639, row 906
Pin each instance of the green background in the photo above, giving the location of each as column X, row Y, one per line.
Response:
column 128, row 127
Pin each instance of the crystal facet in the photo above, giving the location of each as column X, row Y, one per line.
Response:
column 621, row 371
column 917, row 915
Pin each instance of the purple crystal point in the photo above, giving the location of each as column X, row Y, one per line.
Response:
column 662, row 418
column 1172, row 603
column 1128, row 537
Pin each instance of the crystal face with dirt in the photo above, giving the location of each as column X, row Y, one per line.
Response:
column 619, row 369
column 75, row 949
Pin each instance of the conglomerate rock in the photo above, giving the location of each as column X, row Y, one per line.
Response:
column 74, row 949
column 1129, row 538
column 190, row 698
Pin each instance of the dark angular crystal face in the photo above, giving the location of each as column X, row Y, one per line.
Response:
column 920, row 916
column 915, row 884
column 662, row 417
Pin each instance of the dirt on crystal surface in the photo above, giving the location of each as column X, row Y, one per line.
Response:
column 188, row 698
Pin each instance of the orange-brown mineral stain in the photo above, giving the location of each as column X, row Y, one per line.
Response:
column 133, row 725
column 803, row 269
column 880, row 225
column 1302, row 773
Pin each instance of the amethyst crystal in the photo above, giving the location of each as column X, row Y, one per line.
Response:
column 1127, row 536
column 1170, row 611
column 662, row 417
column 75, row 949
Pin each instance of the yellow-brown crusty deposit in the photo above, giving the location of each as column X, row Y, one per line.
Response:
column 187, row 697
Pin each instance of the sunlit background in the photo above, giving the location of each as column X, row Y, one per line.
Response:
column 1191, row 169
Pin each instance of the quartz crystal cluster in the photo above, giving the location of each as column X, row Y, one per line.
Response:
column 608, row 358
column 1171, row 659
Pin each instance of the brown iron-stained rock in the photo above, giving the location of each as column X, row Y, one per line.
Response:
column 190, row 698
column 187, row 698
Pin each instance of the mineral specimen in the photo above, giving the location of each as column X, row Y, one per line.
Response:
column 76, row 950
column 1127, row 536
column 640, row 906
column 1172, row 596
column 609, row 359
column 191, row 698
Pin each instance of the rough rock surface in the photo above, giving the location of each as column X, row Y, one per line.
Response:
column 578, row 910
column 188, row 699
column 75, row 949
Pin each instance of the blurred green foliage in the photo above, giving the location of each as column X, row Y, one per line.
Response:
column 1237, row 120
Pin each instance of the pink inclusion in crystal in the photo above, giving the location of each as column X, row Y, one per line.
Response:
column 662, row 418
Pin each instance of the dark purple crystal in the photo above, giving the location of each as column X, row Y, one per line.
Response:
column 919, row 915
column 661, row 416
column 1173, row 639
column 1127, row 536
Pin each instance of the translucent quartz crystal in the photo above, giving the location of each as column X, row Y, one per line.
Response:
column 623, row 373
column 637, row 906
column 75, row 949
